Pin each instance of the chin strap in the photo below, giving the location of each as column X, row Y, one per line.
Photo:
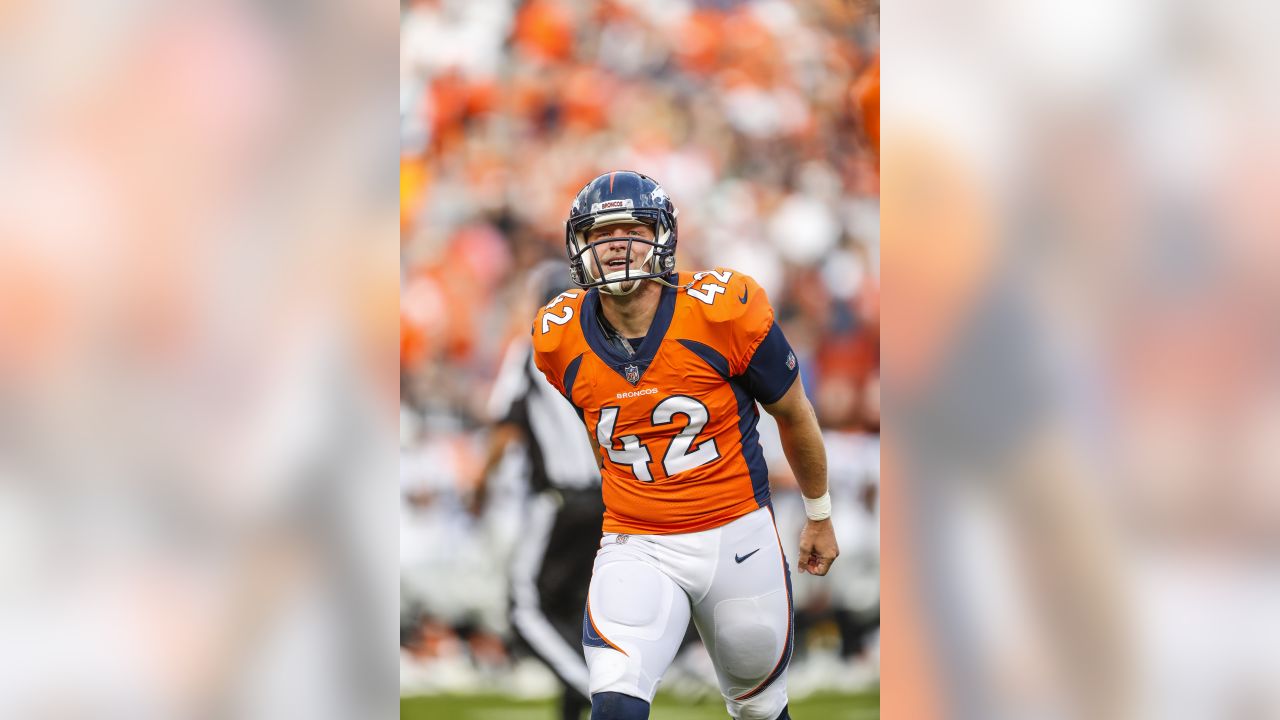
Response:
column 635, row 287
column 659, row 280
column 664, row 281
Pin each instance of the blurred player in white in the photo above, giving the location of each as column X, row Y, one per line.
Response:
column 551, row 563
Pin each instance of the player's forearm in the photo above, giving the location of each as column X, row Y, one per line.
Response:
column 801, row 440
column 802, row 444
column 500, row 436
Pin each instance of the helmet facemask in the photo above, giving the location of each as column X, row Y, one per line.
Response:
column 585, row 258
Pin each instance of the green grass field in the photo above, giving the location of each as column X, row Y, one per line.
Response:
column 865, row 706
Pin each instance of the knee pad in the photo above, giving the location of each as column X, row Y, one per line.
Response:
column 749, row 639
column 616, row 706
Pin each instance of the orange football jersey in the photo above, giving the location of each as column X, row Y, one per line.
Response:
column 676, row 416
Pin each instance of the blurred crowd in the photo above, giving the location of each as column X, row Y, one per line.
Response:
column 197, row 210
column 761, row 120
column 1084, row 281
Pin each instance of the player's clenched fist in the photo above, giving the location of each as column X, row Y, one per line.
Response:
column 818, row 548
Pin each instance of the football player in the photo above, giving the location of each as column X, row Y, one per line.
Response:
column 666, row 369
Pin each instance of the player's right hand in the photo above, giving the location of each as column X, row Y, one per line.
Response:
column 818, row 548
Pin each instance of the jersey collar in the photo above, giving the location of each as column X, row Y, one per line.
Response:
column 612, row 355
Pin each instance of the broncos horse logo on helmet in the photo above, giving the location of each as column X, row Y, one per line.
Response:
column 613, row 198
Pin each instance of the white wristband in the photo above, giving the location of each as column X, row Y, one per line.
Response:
column 818, row 508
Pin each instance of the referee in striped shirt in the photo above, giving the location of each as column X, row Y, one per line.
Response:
column 551, row 567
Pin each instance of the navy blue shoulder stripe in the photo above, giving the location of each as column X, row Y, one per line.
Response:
column 709, row 355
column 571, row 376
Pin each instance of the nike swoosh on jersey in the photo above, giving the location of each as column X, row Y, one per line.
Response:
column 743, row 299
column 738, row 559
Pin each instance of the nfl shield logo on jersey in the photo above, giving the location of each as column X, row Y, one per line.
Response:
column 633, row 374
column 791, row 361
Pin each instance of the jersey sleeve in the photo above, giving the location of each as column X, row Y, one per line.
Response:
column 759, row 354
column 744, row 317
column 772, row 369
column 545, row 360
column 551, row 332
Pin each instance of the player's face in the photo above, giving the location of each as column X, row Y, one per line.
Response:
column 612, row 254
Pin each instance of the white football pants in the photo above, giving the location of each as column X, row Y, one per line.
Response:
column 734, row 583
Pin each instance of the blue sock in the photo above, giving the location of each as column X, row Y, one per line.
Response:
column 616, row 706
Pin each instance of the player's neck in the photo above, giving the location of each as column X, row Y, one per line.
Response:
column 632, row 314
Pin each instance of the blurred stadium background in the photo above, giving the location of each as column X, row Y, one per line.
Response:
column 754, row 115
column 197, row 504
